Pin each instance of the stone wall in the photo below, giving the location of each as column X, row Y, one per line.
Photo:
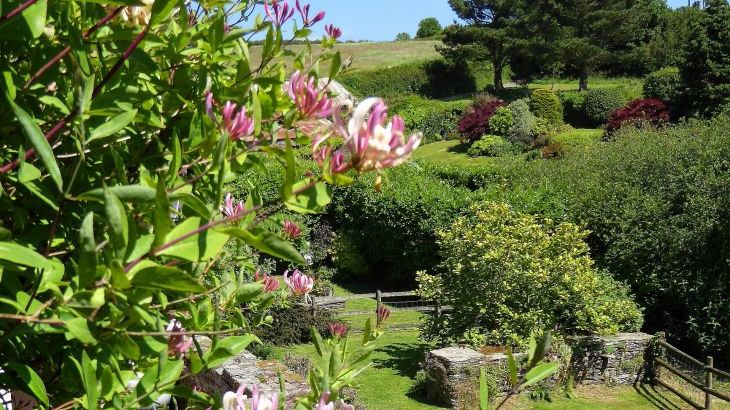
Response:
column 453, row 372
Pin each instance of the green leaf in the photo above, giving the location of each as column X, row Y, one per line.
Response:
column 28, row 25
column 268, row 242
column 38, row 140
column 200, row 246
column 335, row 66
column 32, row 380
column 142, row 245
column 89, row 379
column 127, row 347
column 161, row 11
column 117, row 219
column 20, row 255
column 540, row 373
column 28, row 172
column 539, row 350
column 87, row 246
column 483, row 390
column 79, row 328
column 176, row 160
column 227, row 348
column 112, row 126
column 163, row 277
column 512, row 367
column 162, row 222
column 311, row 200
column 126, row 193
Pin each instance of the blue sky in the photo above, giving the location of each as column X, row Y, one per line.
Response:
column 381, row 20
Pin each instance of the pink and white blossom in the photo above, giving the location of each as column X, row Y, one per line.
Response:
column 310, row 100
column 279, row 12
column 338, row 329
column 177, row 345
column 236, row 124
column 332, row 31
column 258, row 400
column 320, row 152
column 230, row 209
column 373, row 142
column 291, row 230
column 324, row 403
column 299, row 283
column 304, row 12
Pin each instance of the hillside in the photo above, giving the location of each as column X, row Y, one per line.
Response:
column 366, row 56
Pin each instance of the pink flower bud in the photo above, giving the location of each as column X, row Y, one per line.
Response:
column 332, row 31
column 311, row 102
column 299, row 283
column 236, row 124
column 258, row 401
column 270, row 283
column 291, row 230
column 279, row 12
column 177, row 345
column 383, row 313
column 324, row 403
column 338, row 329
column 304, row 12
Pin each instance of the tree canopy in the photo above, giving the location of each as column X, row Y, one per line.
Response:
column 428, row 27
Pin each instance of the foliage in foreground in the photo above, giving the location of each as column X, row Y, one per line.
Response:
column 122, row 127
column 507, row 276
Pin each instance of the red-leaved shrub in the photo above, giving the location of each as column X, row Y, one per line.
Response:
column 475, row 122
column 643, row 111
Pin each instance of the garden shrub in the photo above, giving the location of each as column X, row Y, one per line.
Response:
column 291, row 325
column 429, row 79
column 508, row 276
column 664, row 85
column 599, row 104
column 501, row 121
column 523, row 122
column 649, row 111
column 404, row 218
column 475, row 121
column 553, row 150
column 491, row 146
column 573, row 113
column 435, row 119
column 545, row 104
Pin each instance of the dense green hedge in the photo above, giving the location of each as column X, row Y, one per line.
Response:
column 430, row 79
column 435, row 119
column 395, row 229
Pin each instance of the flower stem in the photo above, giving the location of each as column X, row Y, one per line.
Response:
column 128, row 52
column 16, row 11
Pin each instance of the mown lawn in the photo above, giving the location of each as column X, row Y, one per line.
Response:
column 371, row 55
column 560, row 84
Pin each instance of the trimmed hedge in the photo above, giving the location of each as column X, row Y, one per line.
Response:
column 430, row 79
column 491, row 146
column 664, row 85
column 599, row 104
column 545, row 104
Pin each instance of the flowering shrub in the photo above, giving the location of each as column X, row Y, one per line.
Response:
column 638, row 112
column 509, row 276
column 475, row 122
column 122, row 126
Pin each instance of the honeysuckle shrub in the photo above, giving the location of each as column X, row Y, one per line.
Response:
column 508, row 276
column 123, row 126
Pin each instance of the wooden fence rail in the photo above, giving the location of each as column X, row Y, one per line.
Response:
column 706, row 386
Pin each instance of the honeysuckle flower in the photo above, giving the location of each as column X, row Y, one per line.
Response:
column 299, row 283
column 332, row 31
column 304, row 12
column 338, row 163
column 291, row 230
column 310, row 100
column 258, row 401
column 230, row 209
column 279, row 12
column 383, row 313
column 177, row 345
column 237, row 125
column 135, row 16
column 345, row 406
column 324, row 403
column 373, row 143
column 337, row 329
column 270, row 283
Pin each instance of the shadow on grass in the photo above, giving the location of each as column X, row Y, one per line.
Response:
column 656, row 397
column 458, row 149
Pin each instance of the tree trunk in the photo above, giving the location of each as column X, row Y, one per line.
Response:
column 498, row 85
column 583, row 80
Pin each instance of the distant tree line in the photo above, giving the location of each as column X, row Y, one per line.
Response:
column 581, row 37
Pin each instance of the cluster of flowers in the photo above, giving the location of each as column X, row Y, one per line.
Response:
column 270, row 401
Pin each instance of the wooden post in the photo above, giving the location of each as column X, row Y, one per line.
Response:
column 708, row 383
column 314, row 304
column 379, row 301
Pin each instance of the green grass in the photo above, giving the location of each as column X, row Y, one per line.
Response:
column 560, row 84
column 371, row 55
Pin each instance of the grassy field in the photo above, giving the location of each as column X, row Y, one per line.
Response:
column 368, row 56
column 559, row 84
